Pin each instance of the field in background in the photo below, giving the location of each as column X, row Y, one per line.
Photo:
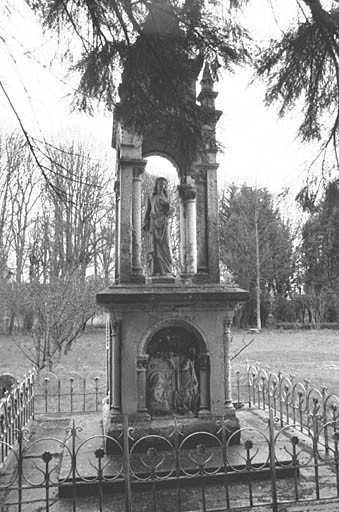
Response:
column 89, row 350
column 312, row 355
column 306, row 354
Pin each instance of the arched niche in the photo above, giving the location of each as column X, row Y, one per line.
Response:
column 171, row 162
column 177, row 372
column 183, row 205
column 159, row 141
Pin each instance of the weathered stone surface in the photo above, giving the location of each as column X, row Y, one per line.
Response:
column 122, row 297
column 145, row 311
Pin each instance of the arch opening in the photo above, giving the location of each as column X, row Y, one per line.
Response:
column 162, row 165
column 156, row 167
column 173, row 373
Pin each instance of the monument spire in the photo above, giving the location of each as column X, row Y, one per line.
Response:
column 207, row 94
column 161, row 19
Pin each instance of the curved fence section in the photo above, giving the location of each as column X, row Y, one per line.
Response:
column 16, row 408
column 299, row 403
column 47, row 393
column 227, row 470
column 69, row 391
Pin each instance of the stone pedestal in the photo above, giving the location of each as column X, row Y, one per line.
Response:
column 147, row 321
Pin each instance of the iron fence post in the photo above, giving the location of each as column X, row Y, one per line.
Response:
column 323, row 396
column 20, row 468
column 273, row 462
column 224, row 455
column 46, row 457
column 99, row 454
column 336, row 459
column 177, row 463
column 295, row 463
column 126, row 457
column 73, row 458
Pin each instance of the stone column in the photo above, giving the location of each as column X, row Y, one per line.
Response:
column 109, row 374
column 182, row 233
column 204, row 365
column 117, row 230
column 115, row 366
column 129, row 158
column 125, row 218
column 212, row 212
column 142, row 362
column 202, row 256
column 227, row 359
column 136, row 224
column 187, row 193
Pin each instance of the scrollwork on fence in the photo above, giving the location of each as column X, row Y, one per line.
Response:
column 293, row 402
column 194, row 461
column 16, row 408
column 69, row 391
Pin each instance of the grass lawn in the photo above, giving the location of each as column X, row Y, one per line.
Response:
column 306, row 354
column 88, row 351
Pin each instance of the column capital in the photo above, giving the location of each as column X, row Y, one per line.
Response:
column 128, row 163
column 138, row 170
column 142, row 362
column 115, row 322
column 187, row 192
column 206, row 167
column 228, row 318
column 204, row 362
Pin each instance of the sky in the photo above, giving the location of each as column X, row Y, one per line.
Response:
column 259, row 148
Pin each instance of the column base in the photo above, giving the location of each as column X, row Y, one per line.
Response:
column 162, row 279
column 138, row 278
column 143, row 416
column 187, row 276
column 229, row 405
column 204, row 413
column 201, row 277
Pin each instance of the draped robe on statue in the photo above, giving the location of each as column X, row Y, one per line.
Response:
column 156, row 223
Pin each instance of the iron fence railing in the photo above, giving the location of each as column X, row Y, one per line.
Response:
column 292, row 402
column 48, row 393
column 69, row 391
column 16, row 408
column 200, row 471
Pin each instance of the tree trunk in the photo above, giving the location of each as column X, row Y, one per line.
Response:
column 257, row 256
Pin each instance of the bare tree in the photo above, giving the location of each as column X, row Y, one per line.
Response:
column 60, row 311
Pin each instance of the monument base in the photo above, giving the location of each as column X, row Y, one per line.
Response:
column 169, row 348
column 150, row 432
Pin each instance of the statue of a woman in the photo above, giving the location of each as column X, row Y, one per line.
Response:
column 156, row 224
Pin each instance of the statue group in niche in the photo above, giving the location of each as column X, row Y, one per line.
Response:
column 172, row 384
column 156, row 225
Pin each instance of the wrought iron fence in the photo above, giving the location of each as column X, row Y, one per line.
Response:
column 16, row 408
column 69, row 391
column 201, row 471
column 298, row 403
column 48, row 393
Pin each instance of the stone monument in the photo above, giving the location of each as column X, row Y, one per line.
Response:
column 168, row 337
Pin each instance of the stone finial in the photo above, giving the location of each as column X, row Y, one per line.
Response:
column 207, row 94
column 207, row 81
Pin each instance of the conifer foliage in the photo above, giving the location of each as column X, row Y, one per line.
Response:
column 159, row 46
